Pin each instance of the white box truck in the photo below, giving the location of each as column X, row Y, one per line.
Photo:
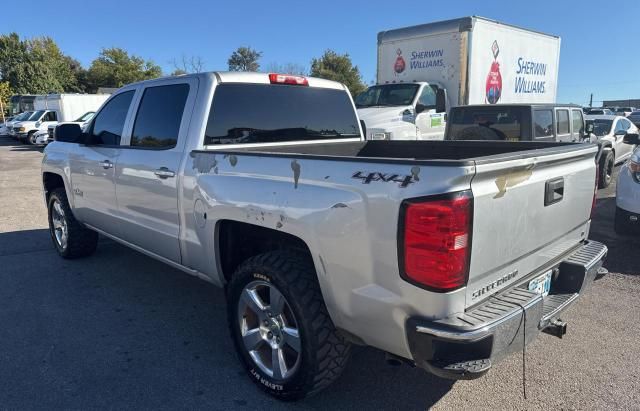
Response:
column 53, row 108
column 423, row 70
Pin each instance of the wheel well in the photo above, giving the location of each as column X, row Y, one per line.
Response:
column 51, row 182
column 238, row 241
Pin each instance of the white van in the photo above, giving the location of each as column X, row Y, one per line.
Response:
column 53, row 108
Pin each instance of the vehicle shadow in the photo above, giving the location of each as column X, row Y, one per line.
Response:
column 123, row 331
column 8, row 141
column 623, row 254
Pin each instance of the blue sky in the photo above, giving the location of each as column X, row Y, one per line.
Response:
column 599, row 53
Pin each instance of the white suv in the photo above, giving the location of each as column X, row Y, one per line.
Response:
column 627, row 218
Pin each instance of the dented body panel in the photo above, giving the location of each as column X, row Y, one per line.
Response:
column 342, row 199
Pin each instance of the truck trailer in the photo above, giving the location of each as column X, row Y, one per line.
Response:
column 424, row 70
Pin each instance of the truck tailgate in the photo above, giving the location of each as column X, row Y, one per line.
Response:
column 528, row 212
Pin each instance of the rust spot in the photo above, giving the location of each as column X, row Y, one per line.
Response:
column 296, row 173
column 233, row 160
column 278, row 224
column 204, row 162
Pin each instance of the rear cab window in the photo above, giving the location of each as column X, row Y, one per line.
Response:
column 486, row 123
column 244, row 113
column 562, row 122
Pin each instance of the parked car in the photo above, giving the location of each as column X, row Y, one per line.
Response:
column 517, row 122
column 610, row 132
column 16, row 119
column 322, row 239
column 627, row 218
column 4, row 129
column 600, row 112
column 25, row 129
column 40, row 138
column 624, row 111
column 634, row 117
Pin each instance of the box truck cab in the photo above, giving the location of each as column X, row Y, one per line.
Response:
column 470, row 60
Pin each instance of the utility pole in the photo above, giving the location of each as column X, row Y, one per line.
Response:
column 591, row 100
column 2, row 111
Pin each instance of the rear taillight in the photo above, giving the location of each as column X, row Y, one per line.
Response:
column 275, row 78
column 435, row 243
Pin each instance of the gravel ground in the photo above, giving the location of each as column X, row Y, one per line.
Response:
column 119, row 330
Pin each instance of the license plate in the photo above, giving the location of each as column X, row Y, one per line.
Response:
column 541, row 284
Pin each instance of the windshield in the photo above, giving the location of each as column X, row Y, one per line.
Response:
column 596, row 111
column 263, row 113
column 387, row 95
column 624, row 109
column 36, row 115
column 601, row 127
column 23, row 116
column 85, row 117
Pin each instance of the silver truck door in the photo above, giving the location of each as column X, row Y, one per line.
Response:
column 147, row 174
column 93, row 165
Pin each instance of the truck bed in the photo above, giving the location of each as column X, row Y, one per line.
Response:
column 428, row 152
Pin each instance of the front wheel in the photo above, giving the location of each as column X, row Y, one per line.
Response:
column 281, row 328
column 70, row 238
column 607, row 164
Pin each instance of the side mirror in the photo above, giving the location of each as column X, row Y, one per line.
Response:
column 631, row 138
column 441, row 100
column 68, row 133
column 589, row 128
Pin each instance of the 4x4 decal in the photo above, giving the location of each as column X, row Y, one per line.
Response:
column 367, row 178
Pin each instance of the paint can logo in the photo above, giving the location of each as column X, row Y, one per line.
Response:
column 494, row 78
column 400, row 64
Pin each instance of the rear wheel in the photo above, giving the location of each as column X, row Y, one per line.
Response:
column 281, row 328
column 71, row 239
column 607, row 164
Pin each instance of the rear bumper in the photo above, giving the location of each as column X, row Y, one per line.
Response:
column 465, row 346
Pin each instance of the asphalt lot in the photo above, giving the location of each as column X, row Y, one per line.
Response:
column 119, row 330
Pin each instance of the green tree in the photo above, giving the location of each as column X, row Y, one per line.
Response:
column 337, row 67
column 114, row 67
column 287, row 68
column 244, row 59
column 5, row 94
column 34, row 65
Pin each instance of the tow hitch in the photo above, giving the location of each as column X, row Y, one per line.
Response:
column 556, row 327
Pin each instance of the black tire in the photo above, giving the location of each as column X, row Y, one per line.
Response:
column 324, row 352
column 621, row 223
column 27, row 139
column 80, row 241
column 607, row 164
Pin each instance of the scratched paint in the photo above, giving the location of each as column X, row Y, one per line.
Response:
column 204, row 162
column 296, row 173
column 233, row 160
column 508, row 181
column 415, row 173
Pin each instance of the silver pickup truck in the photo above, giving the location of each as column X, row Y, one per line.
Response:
column 448, row 255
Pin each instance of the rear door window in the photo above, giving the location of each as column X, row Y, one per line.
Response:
column 265, row 113
column 578, row 122
column 562, row 122
column 109, row 122
column 159, row 116
column 543, row 123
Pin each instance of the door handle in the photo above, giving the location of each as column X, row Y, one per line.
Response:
column 553, row 191
column 164, row 172
column 106, row 164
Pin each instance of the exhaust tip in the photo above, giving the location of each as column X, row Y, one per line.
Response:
column 392, row 360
